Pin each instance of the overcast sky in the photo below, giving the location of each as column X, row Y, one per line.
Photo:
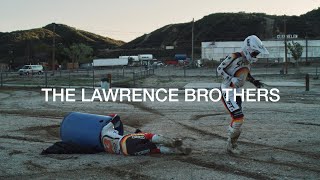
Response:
column 127, row 19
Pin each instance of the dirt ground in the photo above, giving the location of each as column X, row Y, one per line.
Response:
column 279, row 140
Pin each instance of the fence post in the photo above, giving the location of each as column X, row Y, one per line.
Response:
column 133, row 79
column 109, row 76
column 216, row 71
column 1, row 80
column 46, row 79
column 69, row 78
column 92, row 77
column 307, row 82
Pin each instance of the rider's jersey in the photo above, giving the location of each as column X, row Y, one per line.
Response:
column 111, row 139
column 234, row 66
column 130, row 144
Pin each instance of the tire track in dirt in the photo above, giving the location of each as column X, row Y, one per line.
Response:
column 222, row 168
column 309, row 155
column 135, row 121
column 306, row 123
column 143, row 107
column 203, row 132
column 300, row 98
column 198, row 117
column 32, row 166
column 36, row 114
column 280, row 163
column 14, row 152
column 43, row 131
column 214, row 166
column 118, row 171
column 28, row 94
column 22, row 138
column 237, row 171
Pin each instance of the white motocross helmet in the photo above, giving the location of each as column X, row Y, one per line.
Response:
column 252, row 47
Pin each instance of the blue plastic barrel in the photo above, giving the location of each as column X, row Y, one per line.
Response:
column 83, row 129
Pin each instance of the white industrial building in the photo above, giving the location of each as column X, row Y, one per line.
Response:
column 219, row 50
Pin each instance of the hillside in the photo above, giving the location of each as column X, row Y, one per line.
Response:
column 228, row 27
column 34, row 45
column 69, row 35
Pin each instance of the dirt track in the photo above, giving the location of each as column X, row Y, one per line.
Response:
column 279, row 140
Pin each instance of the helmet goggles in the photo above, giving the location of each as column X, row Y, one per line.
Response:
column 254, row 54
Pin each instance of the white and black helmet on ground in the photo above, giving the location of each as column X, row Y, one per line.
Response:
column 252, row 47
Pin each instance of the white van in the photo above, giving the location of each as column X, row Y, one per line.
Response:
column 31, row 69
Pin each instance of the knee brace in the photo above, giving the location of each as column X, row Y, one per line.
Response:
column 234, row 132
column 234, row 129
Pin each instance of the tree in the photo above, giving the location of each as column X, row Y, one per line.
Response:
column 295, row 50
column 61, row 54
column 79, row 53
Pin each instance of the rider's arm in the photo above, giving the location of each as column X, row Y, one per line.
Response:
column 250, row 78
column 225, row 63
column 255, row 82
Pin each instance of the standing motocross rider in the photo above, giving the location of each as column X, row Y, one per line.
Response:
column 235, row 70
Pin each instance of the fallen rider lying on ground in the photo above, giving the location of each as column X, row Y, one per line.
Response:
column 138, row 143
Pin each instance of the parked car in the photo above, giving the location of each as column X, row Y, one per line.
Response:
column 159, row 64
column 31, row 69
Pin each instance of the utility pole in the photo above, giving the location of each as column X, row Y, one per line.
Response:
column 285, row 46
column 306, row 48
column 53, row 48
column 28, row 52
column 192, row 60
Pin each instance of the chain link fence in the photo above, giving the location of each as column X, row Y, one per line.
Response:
column 87, row 78
column 126, row 76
